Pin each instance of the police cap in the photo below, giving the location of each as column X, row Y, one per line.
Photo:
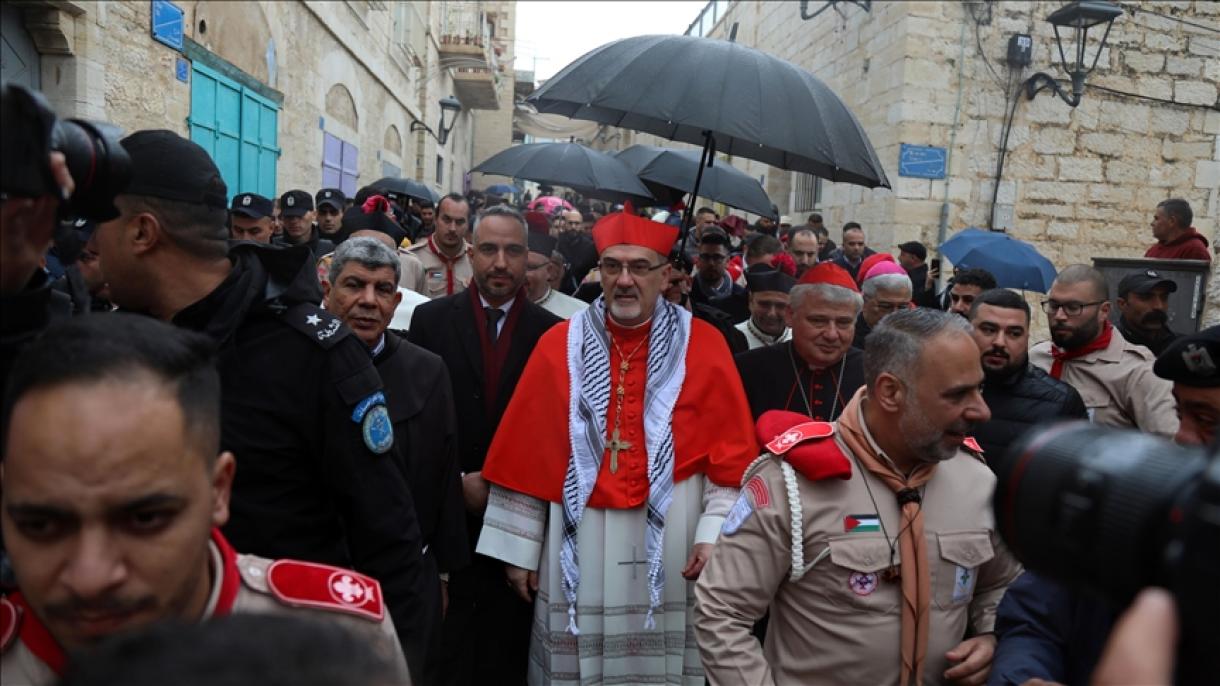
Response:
column 295, row 203
column 1192, row 360
column 251, row 205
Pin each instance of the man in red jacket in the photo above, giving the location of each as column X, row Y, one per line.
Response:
column 1176, row 238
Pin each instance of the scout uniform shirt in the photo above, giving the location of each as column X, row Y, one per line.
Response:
column 838, row 621
column 427, row 271
column 244, row 584
column 1117, row 385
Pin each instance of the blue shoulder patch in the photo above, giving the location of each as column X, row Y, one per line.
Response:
column 742, row 509
column 375, row 424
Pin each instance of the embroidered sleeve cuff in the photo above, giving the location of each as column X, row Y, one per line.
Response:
column 513, row 528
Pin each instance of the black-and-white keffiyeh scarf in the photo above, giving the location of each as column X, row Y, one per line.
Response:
column 589, row 398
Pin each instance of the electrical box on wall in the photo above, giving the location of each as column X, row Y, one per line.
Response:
column 1020, row 50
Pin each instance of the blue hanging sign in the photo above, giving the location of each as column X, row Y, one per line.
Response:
column 921, row 161
column 181, row 70
column 167, row 20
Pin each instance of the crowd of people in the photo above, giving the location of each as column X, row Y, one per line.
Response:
column 549, row 443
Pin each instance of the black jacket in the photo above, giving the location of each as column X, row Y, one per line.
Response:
column 447, row 327
column 317, row 244
column 294, row 380
column 736, row 304
column 1019, row 402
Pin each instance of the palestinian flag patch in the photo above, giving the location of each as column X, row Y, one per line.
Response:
column 861, row 523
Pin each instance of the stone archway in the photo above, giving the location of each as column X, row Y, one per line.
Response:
column 341, row 107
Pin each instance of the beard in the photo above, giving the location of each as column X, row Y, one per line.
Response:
column 1072, row 337
column 924, row 440
column 1155, row 320
column 1009, row 368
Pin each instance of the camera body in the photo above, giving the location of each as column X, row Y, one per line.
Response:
column 1116, row 511
column 99, row 165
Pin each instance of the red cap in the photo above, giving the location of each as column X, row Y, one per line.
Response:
column 625, row 227
column 537, row 222
column 831, row 273
column 870, row 262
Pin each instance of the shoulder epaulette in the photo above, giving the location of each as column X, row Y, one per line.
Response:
column 318, row 325
column 807, row 445
column 10, row 623
column 975, row 450
column 308, row 584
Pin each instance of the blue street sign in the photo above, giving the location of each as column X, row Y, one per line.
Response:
column 167, row 23
column 921, row 161
column 181, row 69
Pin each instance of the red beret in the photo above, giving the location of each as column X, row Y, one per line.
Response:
column 807, row 445
column 625, row 227
column 870, row 262
column 831, row 273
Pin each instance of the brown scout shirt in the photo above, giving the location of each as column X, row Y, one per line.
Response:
column 426, row 273
column 20, row 666
column 840, row 622
column 1118, row 386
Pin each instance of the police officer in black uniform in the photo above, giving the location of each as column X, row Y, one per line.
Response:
column 302, row 404
column 297, row 215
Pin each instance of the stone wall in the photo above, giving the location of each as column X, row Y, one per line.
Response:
column 1077, row 183
column 99, row 61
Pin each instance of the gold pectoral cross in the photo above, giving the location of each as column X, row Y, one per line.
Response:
column 616, row 444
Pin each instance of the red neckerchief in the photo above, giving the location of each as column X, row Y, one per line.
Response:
column 495, row 356
column 449, row 263
column 44, row 646
column 1100, row 343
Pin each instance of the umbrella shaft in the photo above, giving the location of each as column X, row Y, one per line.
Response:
column 709, row 149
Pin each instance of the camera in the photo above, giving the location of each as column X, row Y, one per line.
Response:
column 1115, row 511
column 99, row 165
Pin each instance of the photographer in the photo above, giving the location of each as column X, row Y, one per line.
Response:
column 37, row 189
column 1050, row 631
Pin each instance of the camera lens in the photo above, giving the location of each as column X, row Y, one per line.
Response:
column 1096, row 506
column 99, row 166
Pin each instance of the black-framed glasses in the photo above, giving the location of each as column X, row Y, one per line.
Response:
column 611, row 267
column 1072, row 309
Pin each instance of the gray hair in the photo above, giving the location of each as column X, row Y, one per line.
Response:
column 367, row 251
column 888, row 283
column 896, row 343
column 499, row 211
column 836, row 295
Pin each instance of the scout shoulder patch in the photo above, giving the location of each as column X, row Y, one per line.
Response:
column 10, row 623
column 976, row 451
column 308, row 584
column 754, row 495
column 375, row 424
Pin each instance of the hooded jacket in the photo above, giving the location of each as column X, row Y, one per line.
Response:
column 1191, row 245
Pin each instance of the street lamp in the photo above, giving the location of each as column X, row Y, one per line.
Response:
column 1079, row 16
column 450, row 106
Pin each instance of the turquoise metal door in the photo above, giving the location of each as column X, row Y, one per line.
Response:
column 238, row 128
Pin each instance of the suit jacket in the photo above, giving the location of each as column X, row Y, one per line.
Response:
column 447, row 327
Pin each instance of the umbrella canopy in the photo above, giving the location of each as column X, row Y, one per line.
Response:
column 411, row 189
column 1013, row 263
column 587, row 171
column 670, row 173
column 548, row 203
column 753, row 104
column 503, row 189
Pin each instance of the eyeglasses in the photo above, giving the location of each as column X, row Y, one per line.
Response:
column 889, row 307
column 711, row 257
column 611, row 267
column 1050, row 307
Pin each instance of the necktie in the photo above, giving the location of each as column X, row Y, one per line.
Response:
column 493, row 318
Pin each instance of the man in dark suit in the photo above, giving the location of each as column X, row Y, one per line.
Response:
column 485, row 335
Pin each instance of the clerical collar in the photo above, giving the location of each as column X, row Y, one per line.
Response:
column 376, row 350
column 766, row 338
column 543, row 299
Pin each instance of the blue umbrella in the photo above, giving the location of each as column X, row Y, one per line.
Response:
column 1013, row 263
column 503, row 189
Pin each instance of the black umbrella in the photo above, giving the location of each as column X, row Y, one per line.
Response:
column 587, row 171
column 670, row 173
column 411, row 189
column 720, row 95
